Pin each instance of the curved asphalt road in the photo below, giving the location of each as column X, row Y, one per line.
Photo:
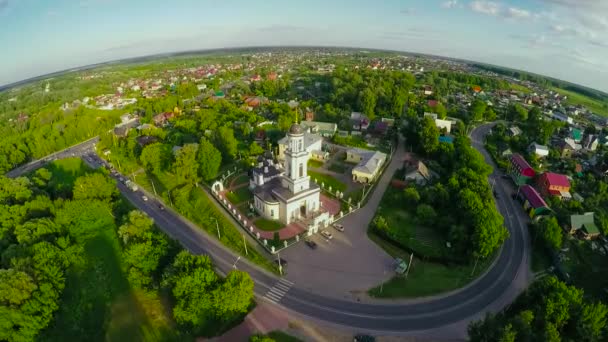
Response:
column 422, row 315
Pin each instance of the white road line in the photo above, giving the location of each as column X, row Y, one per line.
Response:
column 278, row 291
column 272, row 300
column 285, row 281
column 281, row 286
column 273, row 296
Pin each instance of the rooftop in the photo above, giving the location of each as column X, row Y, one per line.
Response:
column 557, row 179
column 533, row 197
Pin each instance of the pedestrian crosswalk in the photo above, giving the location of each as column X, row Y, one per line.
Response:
column 280, row 288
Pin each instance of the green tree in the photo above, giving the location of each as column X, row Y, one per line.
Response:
column 442, row 113
column 478, row 109
column 490, row 114
column 425, row 214
column 209, row 160
column 228, row 144
column 428, row 135
column 234, row 296
column 94, row 186
column 551, row 233
column 186, row 166
column 367, row 102
column 255, row 149
column 155, row 157
column 15, row 287
column 411, row 196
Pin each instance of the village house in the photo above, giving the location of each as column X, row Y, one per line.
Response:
column 540, row 151
column 519, row 169
column 554, row 184
column 417, row 172
column 584, row 225
column 359, row 121
column 325, row 129
column 368, row 162
column 533, row 203
column 514, row 131
column 567, row 147
column 591, row 142
column 312, row 142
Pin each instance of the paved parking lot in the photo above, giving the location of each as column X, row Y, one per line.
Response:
column 349, row 264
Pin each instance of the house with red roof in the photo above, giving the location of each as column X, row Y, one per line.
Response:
column 534, row 204
column 554, row 184
column 432, row 103
column 519, row 169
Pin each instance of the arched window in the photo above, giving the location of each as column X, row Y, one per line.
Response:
column 301, row 170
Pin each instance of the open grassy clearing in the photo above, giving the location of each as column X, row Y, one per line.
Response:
column 327, row 180
column 268, row 225
column 596, row 106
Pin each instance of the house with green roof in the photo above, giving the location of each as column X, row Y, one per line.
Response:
column 584, row 225
column 576, row 135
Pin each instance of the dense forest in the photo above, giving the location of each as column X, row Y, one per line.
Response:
column 78, row 264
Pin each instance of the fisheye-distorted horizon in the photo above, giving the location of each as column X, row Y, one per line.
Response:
column 559, row 38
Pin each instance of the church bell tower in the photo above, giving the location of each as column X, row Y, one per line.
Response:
column 296, row 160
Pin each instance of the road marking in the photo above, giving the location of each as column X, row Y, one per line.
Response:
column 282, row 286
column 278, row 290
column 285, row 281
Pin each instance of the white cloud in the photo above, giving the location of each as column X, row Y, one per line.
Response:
column 485, row 7
column 514, row 12
column 450, row 4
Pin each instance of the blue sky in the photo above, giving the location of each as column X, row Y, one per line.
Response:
column 567, row 39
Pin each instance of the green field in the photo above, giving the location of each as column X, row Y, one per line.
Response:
column 327, row 180
column 518, row 87
column 596, row 106
column 268, row 225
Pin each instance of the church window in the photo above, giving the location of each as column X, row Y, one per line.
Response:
column 272, row 212
column 299, row 145
column 301, row 170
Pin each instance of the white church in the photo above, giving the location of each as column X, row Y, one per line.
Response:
column 285, row 192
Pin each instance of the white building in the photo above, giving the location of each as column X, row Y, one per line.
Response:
column 368, row 162
column 285, row 192
column 541, row 151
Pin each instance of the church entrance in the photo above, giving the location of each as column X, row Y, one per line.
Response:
column 303, row 209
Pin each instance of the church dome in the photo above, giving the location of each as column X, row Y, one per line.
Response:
column 296, row 129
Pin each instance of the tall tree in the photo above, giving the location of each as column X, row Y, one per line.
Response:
column 186, row 166
column 209, row 160
column 94, row 186
column 428, row 134
column 155, row 157
column 228, row 144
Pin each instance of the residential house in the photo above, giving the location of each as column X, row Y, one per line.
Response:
column 562, row 117
column 567, row 147
column 540, row 151
column 576, row 135
column 554, row 184
column 519, row 169
column 359, row 121
column 533, row 203
column 145, row 140
column 417, row 172
column 369, row 164
column 591, row 142
column 428, row 90
column 444, row 124
column 584, row 225
column 514, row 131
column 325, row 129
column 432, row 103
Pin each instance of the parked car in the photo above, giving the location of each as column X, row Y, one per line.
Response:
column 364, row 338
column 311, row 244
column 338, row 227
column 144, row 197
column 281, row 262
column 160, row 206
column 326, row 234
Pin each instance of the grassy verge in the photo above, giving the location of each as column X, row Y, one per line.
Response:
column 327, row 180
column 424, row 278
column 268, row 225
column 315, row 164
column 240, row 195
column 198, row 208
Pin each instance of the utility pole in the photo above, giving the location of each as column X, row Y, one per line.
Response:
column 410, row 265
column 280, row 264
column 474, row 267
column 153, row 188
column 245, row 244
column 169, row 195
column 219, row 237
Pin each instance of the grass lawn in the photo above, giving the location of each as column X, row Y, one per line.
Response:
column 337, row 167
column 65, row 172
column 240, row 195
column 425, row 278
column 268, row 225
column 518, row 87
column 327, row 180
column 240, row 179
column 596, row 106
column 315, row 164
